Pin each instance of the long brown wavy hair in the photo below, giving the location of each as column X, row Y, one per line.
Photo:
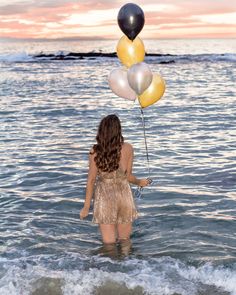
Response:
column 109, row 142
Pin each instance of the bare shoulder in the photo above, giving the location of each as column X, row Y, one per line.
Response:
column 127, row 147
column 92, row 153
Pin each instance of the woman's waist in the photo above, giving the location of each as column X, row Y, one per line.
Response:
column 122, row 179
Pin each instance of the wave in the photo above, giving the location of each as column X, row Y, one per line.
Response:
column 75, row 274
column 153, row 57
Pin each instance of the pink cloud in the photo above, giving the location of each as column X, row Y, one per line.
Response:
column 225, row 27
column 182, row 15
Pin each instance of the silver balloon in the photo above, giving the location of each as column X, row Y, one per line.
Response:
column 139, row 77
column 119, row 84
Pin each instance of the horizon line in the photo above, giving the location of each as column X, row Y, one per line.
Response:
column 106, row 38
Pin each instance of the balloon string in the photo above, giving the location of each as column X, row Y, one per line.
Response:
column 145, row 140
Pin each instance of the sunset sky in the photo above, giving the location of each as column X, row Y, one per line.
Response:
column 89, row 19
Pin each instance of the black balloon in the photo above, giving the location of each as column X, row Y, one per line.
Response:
column 131, row 20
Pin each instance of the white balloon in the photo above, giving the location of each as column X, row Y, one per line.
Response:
column 119, row 84
column 139, row 77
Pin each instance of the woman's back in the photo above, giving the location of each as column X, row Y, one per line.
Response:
column 126, row 156
column 113, row 199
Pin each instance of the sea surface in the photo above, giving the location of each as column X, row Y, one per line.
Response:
column 184, row 241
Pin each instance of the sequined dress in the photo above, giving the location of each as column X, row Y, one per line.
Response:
column 113, row 199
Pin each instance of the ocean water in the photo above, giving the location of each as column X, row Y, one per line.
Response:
column 184, row 241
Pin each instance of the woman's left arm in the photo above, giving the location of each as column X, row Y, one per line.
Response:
column 92, row 173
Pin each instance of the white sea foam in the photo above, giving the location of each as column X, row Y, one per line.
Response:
column 16, row 57
column 162, row 276
column 187, row 58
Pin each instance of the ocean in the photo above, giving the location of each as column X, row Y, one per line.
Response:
column 184, row 241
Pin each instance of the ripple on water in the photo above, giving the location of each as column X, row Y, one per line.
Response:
column 49, row 119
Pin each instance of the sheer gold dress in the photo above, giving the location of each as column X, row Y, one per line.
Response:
column 113, row 199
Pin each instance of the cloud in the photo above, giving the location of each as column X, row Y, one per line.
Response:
column 92, row 17
column 46, row 18
column 18, row 7
column 224, row 18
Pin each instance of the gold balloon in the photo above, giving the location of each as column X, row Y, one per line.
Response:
column 154, row 92
column 130, row 52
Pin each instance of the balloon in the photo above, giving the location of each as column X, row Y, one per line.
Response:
column 131, row 20
column 153, row 93
column 119, row 84
column 130, row 52
column 139, row 77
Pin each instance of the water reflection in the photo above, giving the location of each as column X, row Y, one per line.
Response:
column 48, row 124
column 115, row 251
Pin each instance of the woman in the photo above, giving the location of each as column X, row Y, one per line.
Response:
column 110, row 165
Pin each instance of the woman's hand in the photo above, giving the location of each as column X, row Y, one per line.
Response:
column 144, row 182
column 84, row 212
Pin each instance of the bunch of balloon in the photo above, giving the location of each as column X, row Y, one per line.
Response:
column 134, row 79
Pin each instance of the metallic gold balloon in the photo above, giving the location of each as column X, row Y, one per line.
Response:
column 154, row 92
column 130, row 52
